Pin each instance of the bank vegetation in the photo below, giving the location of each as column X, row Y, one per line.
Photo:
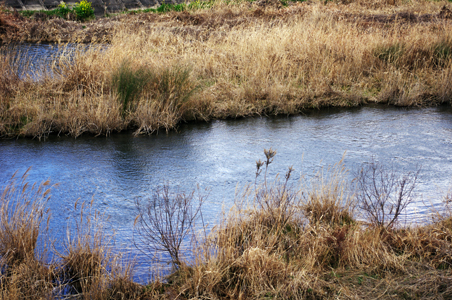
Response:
column 153, row 71
column 327, row 239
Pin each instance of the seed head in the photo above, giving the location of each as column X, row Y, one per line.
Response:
column 270, row 153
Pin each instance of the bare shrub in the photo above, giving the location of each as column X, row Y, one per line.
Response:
column 166, row 220
column 382, row 195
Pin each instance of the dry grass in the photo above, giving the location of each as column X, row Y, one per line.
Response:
column 86, row 269
column 279, row 241
column 234, row 61
column 322, row 257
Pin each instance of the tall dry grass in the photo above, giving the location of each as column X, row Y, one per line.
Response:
column 23, row 218
column 279, row 240
column 316, row 249
column 235, row 61
column 84, row 269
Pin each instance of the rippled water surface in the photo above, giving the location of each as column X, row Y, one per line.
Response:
column 35, row 60
column 220, row 156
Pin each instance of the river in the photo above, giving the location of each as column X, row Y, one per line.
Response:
column 220, row 156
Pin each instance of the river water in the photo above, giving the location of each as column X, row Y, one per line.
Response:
column 35, row 60
column 221, row 155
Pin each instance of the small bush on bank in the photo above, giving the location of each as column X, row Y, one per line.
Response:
column 63, row 10
column 82, row 11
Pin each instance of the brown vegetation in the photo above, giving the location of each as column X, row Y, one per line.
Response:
column 278, row 241
column 226, row 62
column 86, row 267
column 282, row 242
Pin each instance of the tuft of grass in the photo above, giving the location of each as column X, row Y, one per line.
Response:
column 22, row 214
column 328, row 201
column 129, row 83
column 23, row 219
column 390, row 54
column 164, row 7
column 442, row 53
column 165, row 99
column 86, row 269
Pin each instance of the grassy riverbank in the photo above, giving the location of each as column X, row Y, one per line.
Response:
column 279, row 241
column 228, row 61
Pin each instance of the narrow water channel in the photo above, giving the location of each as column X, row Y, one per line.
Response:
column 35, row 60
column 221, row 155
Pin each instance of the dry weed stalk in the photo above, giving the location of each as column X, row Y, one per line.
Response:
column 320, row 252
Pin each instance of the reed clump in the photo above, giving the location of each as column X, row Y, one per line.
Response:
column 85, row 269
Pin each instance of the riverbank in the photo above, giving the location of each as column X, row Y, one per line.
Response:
column 278, row 241
column 228, row 61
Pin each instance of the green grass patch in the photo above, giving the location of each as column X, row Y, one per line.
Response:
column 442, row 52
column 390, row 54
column 81, row 11
column 129, row 83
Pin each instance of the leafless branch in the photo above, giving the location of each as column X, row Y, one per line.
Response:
column 166, row 219
column 382, row 195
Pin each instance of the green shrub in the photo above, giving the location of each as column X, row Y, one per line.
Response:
column 83, row 10
column 63, row 10
column 171, row 7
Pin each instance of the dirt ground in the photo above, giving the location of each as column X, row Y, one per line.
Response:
column 41, row 28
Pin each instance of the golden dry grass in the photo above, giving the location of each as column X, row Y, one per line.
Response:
column 247, row 257
column 239, row 60
column 278, row 241
column 85, row 269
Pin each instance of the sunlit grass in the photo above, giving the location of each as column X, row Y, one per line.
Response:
column 279, row 240
column 235, row 60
